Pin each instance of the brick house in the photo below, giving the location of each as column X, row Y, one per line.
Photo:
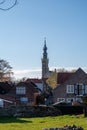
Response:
column 37, row 82
column 19, row 94
column 71, row 86
column 24, row 92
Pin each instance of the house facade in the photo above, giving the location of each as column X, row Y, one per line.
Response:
column 22, row 93
column 71, row 86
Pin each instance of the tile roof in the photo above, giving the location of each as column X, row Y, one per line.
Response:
column 35, row 80
column 63, row 76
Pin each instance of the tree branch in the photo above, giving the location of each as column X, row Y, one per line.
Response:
column 2, row 2
column 5, row 9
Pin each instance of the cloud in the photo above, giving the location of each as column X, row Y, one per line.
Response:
column 36, row 72
column 28, row 73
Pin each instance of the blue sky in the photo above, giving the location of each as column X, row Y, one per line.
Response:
column 62, row 22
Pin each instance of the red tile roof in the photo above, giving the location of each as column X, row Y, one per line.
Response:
column 35, row 80
column 63, row 76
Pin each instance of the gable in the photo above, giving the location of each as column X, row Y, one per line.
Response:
column 78, row 77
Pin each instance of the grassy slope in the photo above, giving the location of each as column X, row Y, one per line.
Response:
column 39, row 123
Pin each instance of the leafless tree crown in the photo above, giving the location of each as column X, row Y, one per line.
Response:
column 5, row 69
column 4, row 2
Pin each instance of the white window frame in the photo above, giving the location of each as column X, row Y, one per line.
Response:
column 20, row 90
column 79, row 100
column 1, row 103
column 70, row 89
column 69, row 100
column 60, row 99
column 81, row 90
column 85, row 89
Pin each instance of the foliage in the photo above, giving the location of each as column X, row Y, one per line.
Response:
column 52, row 80
column 39, row 123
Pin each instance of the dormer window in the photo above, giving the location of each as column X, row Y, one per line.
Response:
column 20, row 90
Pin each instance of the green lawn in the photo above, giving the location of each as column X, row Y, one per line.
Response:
column 43, row 122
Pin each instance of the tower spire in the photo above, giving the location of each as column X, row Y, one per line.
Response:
column 44, row 40
column 45, row 47
column 45, row 60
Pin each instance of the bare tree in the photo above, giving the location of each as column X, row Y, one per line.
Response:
column 4, row 2
column 5, row 70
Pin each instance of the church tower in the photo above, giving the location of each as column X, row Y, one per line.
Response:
column 45, row 61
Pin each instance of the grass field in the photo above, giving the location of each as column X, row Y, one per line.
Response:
column 43, row 122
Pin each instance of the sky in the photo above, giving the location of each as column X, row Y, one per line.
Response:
column 23, row 28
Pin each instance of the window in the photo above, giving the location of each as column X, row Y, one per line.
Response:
column 85, row 89
column 24, row 100
column 60, row 99
column 70, row 88
column 79, row 89
column 70, row 100
column 20, row 90
column 1, row 103
column 78, row 99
